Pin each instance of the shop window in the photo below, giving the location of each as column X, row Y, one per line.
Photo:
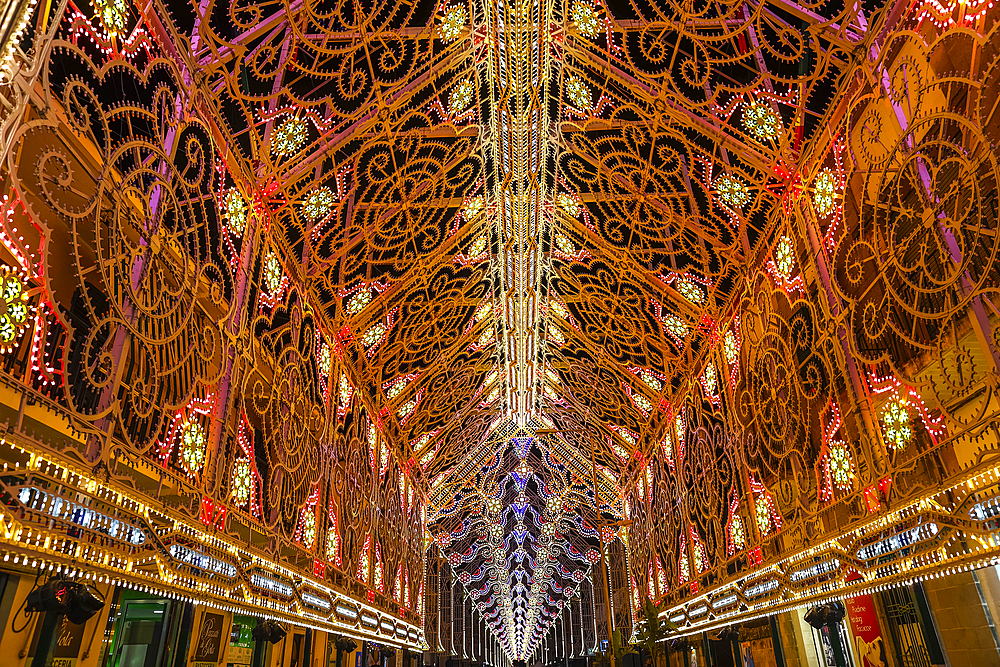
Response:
column 140, row 635
column 756, row 644
column 239, row 653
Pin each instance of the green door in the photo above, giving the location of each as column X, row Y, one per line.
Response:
column 141, row 633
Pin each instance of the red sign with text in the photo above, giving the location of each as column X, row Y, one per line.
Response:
column 868, row 642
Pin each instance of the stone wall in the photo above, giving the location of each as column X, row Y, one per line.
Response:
column 961, row 620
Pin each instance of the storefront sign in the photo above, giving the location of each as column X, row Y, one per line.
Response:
column 868, row 642
column 209, row 644
column 67, row 648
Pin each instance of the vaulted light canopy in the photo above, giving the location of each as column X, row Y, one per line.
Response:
column 576, row 303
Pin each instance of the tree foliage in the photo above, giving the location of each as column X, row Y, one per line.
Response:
column 653, row 630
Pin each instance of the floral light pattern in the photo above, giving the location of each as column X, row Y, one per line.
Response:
column 192, row 452
column 14, row 309
column 461, row 97
column 584, row 16
column 762, row 121
column 113, row 14
column 289, row 137
column 236, row 211
column 824, row 189
column 896, row 424
column 317, row 204
column 453, row 22
column 579, row 93
column 732, row 191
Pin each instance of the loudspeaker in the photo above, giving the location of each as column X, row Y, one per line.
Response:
column 260, row 631
column 346, row 644
column 268, row 630
column 828, row 614
column 53, row 596
column 84, row 602
column 817, row 616
column 836, row 613
column 78, row 601
column 278, row 632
